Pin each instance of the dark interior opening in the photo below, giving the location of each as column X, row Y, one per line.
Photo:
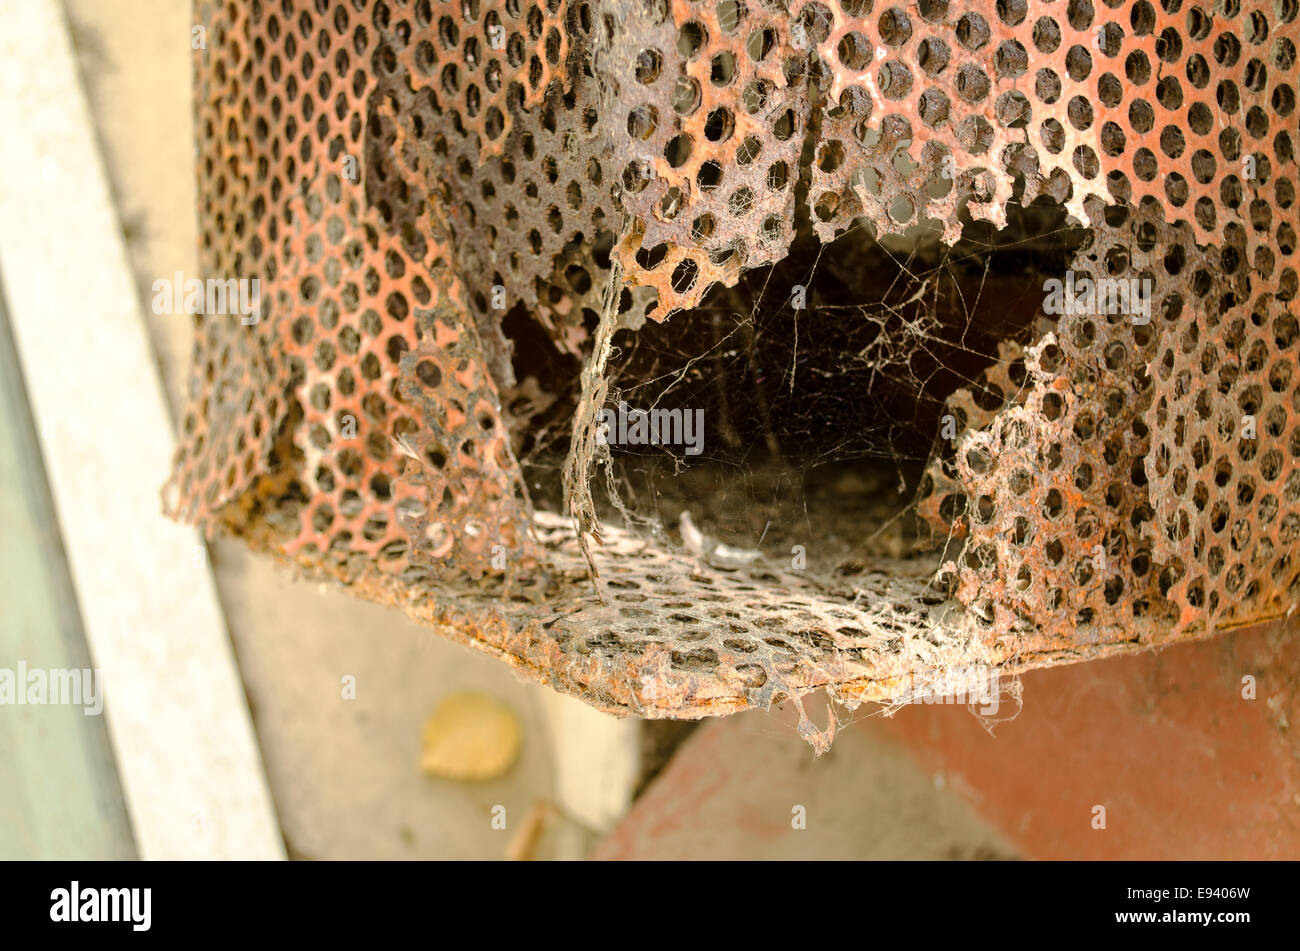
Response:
column 818, row 419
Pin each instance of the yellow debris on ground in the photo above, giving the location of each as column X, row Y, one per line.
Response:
column 470, row 737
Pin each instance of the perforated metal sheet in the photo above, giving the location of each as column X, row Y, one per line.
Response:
column 400, row 175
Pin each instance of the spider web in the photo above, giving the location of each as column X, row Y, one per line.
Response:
column 818, row 419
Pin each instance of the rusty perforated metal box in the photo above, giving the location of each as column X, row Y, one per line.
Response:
column 394, row 171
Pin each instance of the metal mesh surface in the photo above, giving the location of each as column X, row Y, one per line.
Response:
column 401, row 175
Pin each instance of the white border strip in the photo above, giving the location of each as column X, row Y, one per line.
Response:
column 177, row 716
